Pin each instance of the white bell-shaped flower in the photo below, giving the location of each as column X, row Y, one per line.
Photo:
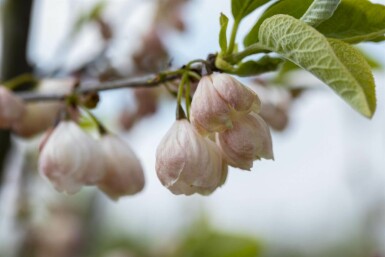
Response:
column 11, row 108
column 70, row 158
column 187, row 163
column 124, row 173
column 218, row 99
column 248, row 140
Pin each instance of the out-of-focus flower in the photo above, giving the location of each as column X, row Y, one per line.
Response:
column 218, row 100
column 11, row 108
column 169, row 14
column 40, row 116
column 248, row 140
column 70, row 158
column 276, row 115
column 124, row 173
column 187, row 163
column 146, row 101
column 276, row 103
column 127, row 119
column 152, row 56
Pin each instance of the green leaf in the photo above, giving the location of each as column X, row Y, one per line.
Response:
column 242, row 8
column 339, row 65
column 355, row 21
column 224, row 21
column 319, row 11
column 378, row 39
column 253, row 68
column 288, row 67
column 295, row 8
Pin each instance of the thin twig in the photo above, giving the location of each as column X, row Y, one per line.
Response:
column 90, row 87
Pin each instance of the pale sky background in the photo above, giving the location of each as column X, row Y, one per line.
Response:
column 329, row 170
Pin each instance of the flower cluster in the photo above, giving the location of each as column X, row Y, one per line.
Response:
column 70, row 158
column 225, row 129
column 193, row 157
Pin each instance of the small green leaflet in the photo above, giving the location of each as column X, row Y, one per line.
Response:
column 242, row 8
column 319, row 11
column 339, row 65
column 353, row 21
column 224, row 21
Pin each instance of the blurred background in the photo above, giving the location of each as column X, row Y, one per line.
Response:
column 324, row 195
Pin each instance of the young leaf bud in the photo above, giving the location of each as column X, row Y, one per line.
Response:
column 187, row 163
column 70, row 158
column 124, row 173
column 11, row 108
column 248, row 140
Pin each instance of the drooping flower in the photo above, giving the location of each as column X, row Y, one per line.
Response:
column 187, row 163
column 70, row 158
column 124, row 173
column 11, row 108
column 218, row 99
column 248, row 140
column 40, row 116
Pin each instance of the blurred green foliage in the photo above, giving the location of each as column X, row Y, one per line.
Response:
column 204, row 241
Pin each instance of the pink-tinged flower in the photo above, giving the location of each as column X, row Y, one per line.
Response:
column 11, row 108
column 218, row 99
column 187, row 163
column 40, row 116
column 124, row 173
column 248, row 140
column 238, row 96
column 70, row 158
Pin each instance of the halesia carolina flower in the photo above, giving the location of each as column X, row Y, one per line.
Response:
column 218, row 98
column 11, row 108
column 187, row 163
column 248, row 140
column 124, row 173
column 40, row 116
column 70, row 158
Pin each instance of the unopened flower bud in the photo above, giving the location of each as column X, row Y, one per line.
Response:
column 218, row 99
column 276, row 115
column 187, row 163
column 124, row 173
column 11, row 108
column 70, row 158
column 248, row 140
